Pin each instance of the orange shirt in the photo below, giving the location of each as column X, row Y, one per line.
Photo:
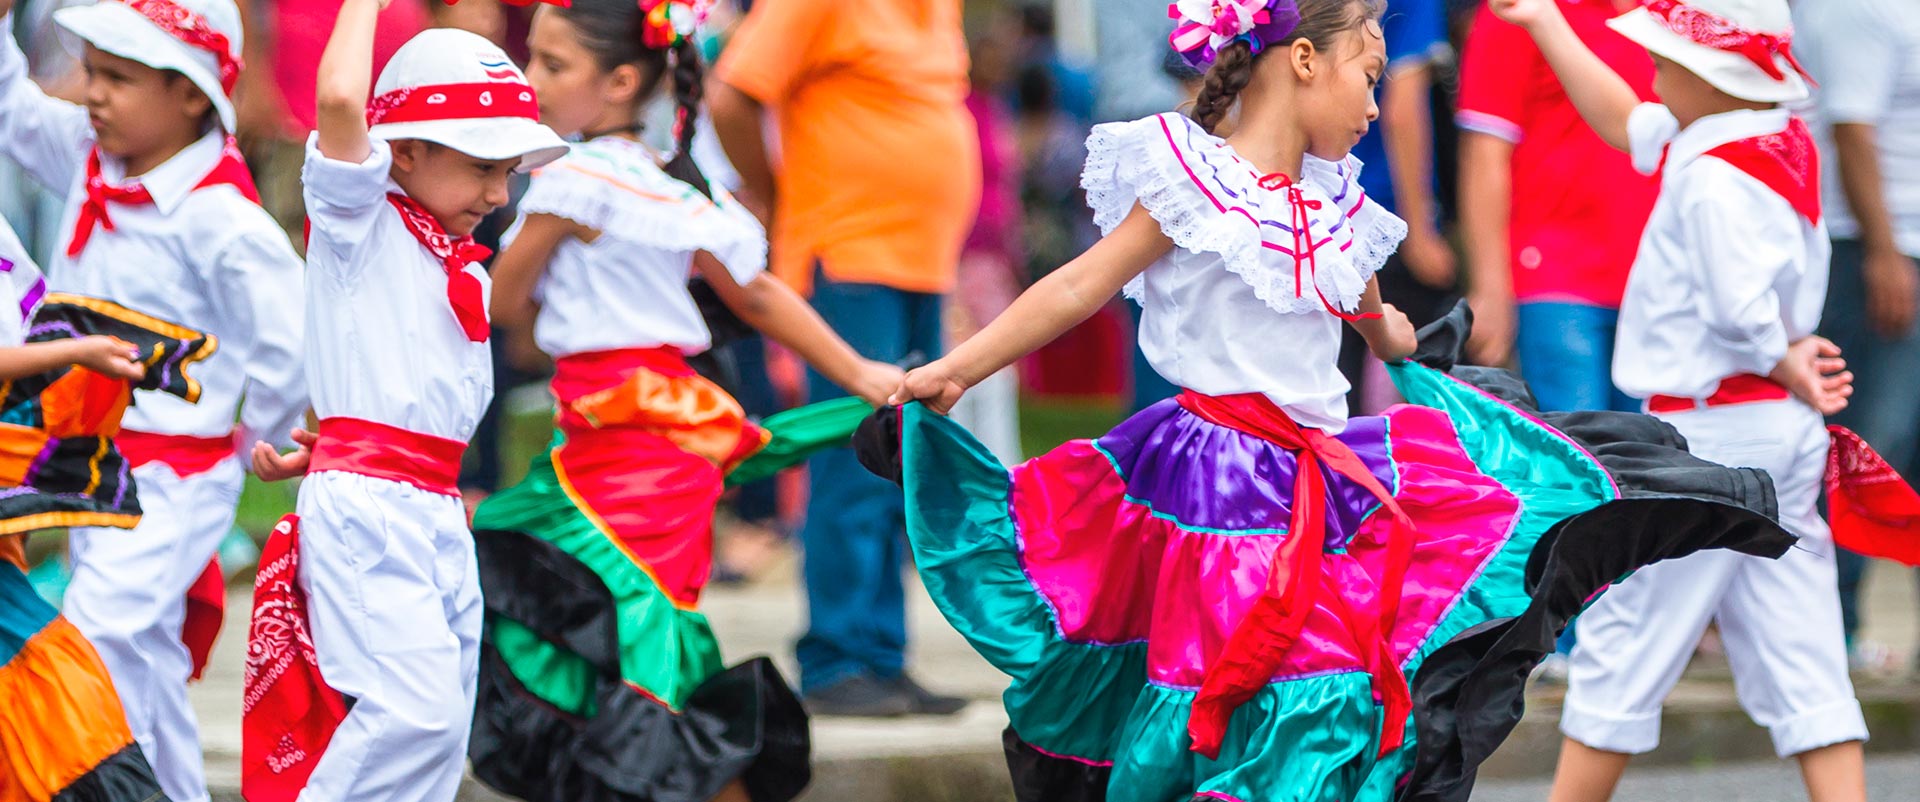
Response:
column 878, row 170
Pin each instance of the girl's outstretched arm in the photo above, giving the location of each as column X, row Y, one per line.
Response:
column 1602, row 96
column 774, row 309
column 345, row 79
column 1045, row 311
column 101, row 354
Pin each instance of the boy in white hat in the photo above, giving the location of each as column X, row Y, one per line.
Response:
column 163, row 220
column 401, row 372
column 1716, row 335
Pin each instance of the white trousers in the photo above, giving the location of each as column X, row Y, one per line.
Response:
column 1779, row 619
column 129, row 597
column 393, row 595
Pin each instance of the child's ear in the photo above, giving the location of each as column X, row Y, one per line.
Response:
column 406, row 154
column 623, row 84
column 1301, row 57
column 192, row 100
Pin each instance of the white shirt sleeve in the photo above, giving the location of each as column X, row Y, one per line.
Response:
column 344, row 201
column 50, row 138
column 1650, row 128
column 264, row 293
column 1748, row 243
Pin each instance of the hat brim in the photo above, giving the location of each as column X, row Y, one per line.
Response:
column 118, row 29
column 1728, row 72
column 484, row 138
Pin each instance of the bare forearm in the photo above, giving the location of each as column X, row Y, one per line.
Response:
column 35, row 358
column 775, row 310
column 1604, row 99
column 1406, row 125
column 737, row 121
column 1860, row 178
column 1486, row 202
column 344, row 78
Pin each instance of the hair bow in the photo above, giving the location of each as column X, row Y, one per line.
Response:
column 670, row 22
column 1207, row 26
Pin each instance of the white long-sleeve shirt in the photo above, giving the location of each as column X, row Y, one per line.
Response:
column 208, row 259
column 384, row 344
column 1728, row 272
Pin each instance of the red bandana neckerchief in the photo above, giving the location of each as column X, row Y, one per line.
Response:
column 1785, row 161
column 455, row 253
column 230, row 170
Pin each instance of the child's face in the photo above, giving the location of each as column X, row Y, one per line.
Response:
column 1336, row 105
column 456, row 188
column 1687, row 95
column 574, row 92
column 137, row 110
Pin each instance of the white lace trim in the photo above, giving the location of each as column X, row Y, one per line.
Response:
column 1132, row 162
column 652, row 210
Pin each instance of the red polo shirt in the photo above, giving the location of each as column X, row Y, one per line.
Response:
column 1578, row 204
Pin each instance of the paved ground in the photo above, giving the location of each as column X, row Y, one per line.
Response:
column 958, row 758
column 1888, row 778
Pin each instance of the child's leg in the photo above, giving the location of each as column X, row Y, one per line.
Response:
column 394, row 606
column 128, row 597
column 1633, row 644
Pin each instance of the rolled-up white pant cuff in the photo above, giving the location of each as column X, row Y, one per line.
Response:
column 1610, row 731
column 1826, row 725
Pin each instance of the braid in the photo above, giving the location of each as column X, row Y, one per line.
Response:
column 689, row 89
column 1230, row 72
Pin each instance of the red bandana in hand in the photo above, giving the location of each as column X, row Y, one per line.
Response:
column 455, row 253
column 288, row 713
column 1874, row 511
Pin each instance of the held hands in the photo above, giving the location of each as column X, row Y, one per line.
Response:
column 876, row 381
column 935, row 385
column 108, row 356
column 1396, row 339
column 272, row 466
column 1814, row 372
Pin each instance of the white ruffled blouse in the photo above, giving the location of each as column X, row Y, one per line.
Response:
column 1231, row 309
column 628, row 288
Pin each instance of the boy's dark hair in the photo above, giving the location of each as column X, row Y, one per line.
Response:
column 1320, row 22
column 614, row 30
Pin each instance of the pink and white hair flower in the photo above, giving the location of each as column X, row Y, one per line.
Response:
column 1206, row 26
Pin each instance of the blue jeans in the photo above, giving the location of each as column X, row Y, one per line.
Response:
column 1885, row 408
column 854, row 539
column 1566, row 356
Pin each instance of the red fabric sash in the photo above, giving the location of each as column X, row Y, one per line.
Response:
column 576, row 375
column 288, row 712
column 188, row 456
column 389, row 452
column 1745, row 388
column 464, row 293
column 230, row 170
column 1260, row 642
column 1872, row 510
column 1785, row 161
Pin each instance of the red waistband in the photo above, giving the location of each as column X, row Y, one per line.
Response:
column 388, row 452
column 576, row 375
column 186, row 454
column 1745, row 388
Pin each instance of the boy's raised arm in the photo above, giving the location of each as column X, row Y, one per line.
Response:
column 1602, row 96
column 345, row 79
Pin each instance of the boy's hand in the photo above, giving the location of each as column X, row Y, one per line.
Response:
column 935, row 385
column 1524, row 13
column 1397, row 339
column 107, row 356
column 1814, row 372
column 272, row 466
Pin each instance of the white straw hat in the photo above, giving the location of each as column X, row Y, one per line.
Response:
column 200, row 39
column 457, row 89
column 1741, row 47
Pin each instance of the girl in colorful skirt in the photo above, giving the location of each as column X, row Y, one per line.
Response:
column 1225, row 598
column 600, row 677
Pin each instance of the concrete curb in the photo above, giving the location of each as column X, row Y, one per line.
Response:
column 969, row 766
